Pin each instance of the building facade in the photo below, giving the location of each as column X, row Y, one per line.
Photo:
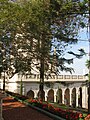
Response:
column 64, row 89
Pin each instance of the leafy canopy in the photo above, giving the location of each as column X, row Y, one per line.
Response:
column 37, row 27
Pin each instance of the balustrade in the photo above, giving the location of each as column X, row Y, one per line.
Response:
column 54, row 78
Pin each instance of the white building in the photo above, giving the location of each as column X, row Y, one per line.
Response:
column 65, row 89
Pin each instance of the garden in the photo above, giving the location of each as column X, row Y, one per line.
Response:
column 49, row 108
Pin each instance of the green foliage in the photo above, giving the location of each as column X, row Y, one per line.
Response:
column 88, row 74
column 88, row 64
column 82, row 52
column 37, row 27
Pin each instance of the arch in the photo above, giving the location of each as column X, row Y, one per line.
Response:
column 38, row 95
column 80, row 97
column 74, row 97
column 67, row 97
column 30, row 94
column 50, row 97
column 59, row 95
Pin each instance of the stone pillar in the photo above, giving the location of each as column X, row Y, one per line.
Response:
column 63, row 96
column 77, row 97
column 35, row 94
column 84, row 97
column 46, row 96
column 70, row 96
column 55, row 97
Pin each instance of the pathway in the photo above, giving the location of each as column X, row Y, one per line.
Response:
column 14, row 110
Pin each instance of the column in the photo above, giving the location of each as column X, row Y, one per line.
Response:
column 84, row 97
column 87, row 97
column 55, row 97
column 35, row 94
column 70, row 96
column 63, row 96
column 77, row 97
column 46, row 96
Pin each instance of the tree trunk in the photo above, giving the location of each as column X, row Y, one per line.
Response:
column 41, row 86
column 4, row 82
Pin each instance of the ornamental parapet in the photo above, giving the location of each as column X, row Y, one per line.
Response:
column 53, row 78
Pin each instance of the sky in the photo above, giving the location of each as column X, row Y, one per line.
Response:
column 79, row 64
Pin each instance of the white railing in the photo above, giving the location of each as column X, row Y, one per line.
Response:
column 53, row 78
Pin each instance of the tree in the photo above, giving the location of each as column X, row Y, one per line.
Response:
column 9, row 14
column 88, row 61
column 88, row 66
column 52, row 26
column 41, row 26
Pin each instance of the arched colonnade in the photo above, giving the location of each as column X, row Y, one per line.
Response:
column 68, row 96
